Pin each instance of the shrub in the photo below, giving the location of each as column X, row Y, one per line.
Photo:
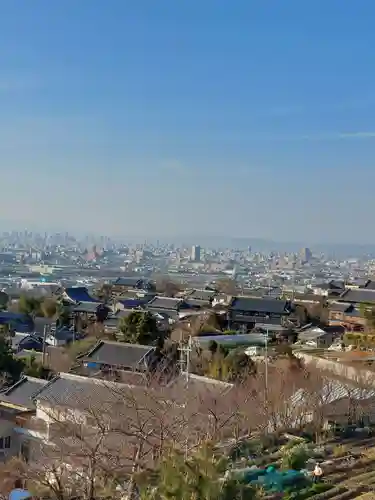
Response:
column 296, row 457
column 340, row 450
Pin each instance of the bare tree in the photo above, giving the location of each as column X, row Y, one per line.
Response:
column 168, row 287
column 226, row 285
column 109, row 434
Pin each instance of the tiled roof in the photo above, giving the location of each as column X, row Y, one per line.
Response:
column 205, row 295
column 359, row 295
column 370, row 285
column 118, row 354
column 73, row 391
column 128, row 281
column 79, row 294
column 250, row 304
column 340, row 306
column 87, row 307
column 21, row 393
column 166, row 303
column 133, row 303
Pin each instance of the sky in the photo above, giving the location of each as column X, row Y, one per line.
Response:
column 246, row 118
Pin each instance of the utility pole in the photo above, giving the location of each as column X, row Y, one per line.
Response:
column 185, row 350
column 44, row 344
column 266, row 357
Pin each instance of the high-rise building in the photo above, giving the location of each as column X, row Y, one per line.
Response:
column 305, row 254
column 195, row 253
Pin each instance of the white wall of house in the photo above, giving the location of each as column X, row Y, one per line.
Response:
column 9, row 440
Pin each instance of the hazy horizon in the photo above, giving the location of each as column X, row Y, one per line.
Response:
column 253, row 119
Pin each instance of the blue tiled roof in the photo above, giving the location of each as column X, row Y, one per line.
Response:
column 131, row 303
column 79, row 294
column 20, row 322
column 11, row 316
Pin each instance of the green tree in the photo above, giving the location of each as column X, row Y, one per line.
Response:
column 198, row 477
column 295, row 457
column 10, row 367
column 4, row 300
column 139, row 328
column 33, row 368
column 30, row 306
column 62, row 315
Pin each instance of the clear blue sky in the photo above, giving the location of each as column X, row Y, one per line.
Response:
column 189, row 117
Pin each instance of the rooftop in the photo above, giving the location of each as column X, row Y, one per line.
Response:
column 22, row 393
column 78, row 294
column 358, row 295
column 166, row 303
column 204, row 295
column 119, row 354
column 250, row 304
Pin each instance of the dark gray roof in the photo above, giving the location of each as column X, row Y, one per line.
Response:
column 340, row 306
column 205, row 295
column 118, row 354
column 359, row 295
column 370, row 285
column 250, row 304
column 123, row 313
column 63, row 334
column 40, row 323
column 131, row 281
column 196, row 303
column 166, row 303
column 86, row 307
column 21, row 393
column 361, row 282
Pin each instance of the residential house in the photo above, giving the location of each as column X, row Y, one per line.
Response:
column 107, row 355
column 357, row 283
column 331, row 288
column 132, row 303
column 124, row 284
column 200, row 298
column 17, row 409
column 369, row 285
column 245, row 312
column 17, row 322
column 346, row 314
column 340, row 403
column 365, row 296
column 81, row 403
column 62, row 336
column 172, row 307
column 316, row 337
column 77, row 294
column 91, row 310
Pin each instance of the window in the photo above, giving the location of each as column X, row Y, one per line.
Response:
column 5, row 442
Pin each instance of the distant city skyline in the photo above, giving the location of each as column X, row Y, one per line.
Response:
column 246, row 119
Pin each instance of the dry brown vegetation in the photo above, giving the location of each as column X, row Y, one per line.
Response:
column 117, row 431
